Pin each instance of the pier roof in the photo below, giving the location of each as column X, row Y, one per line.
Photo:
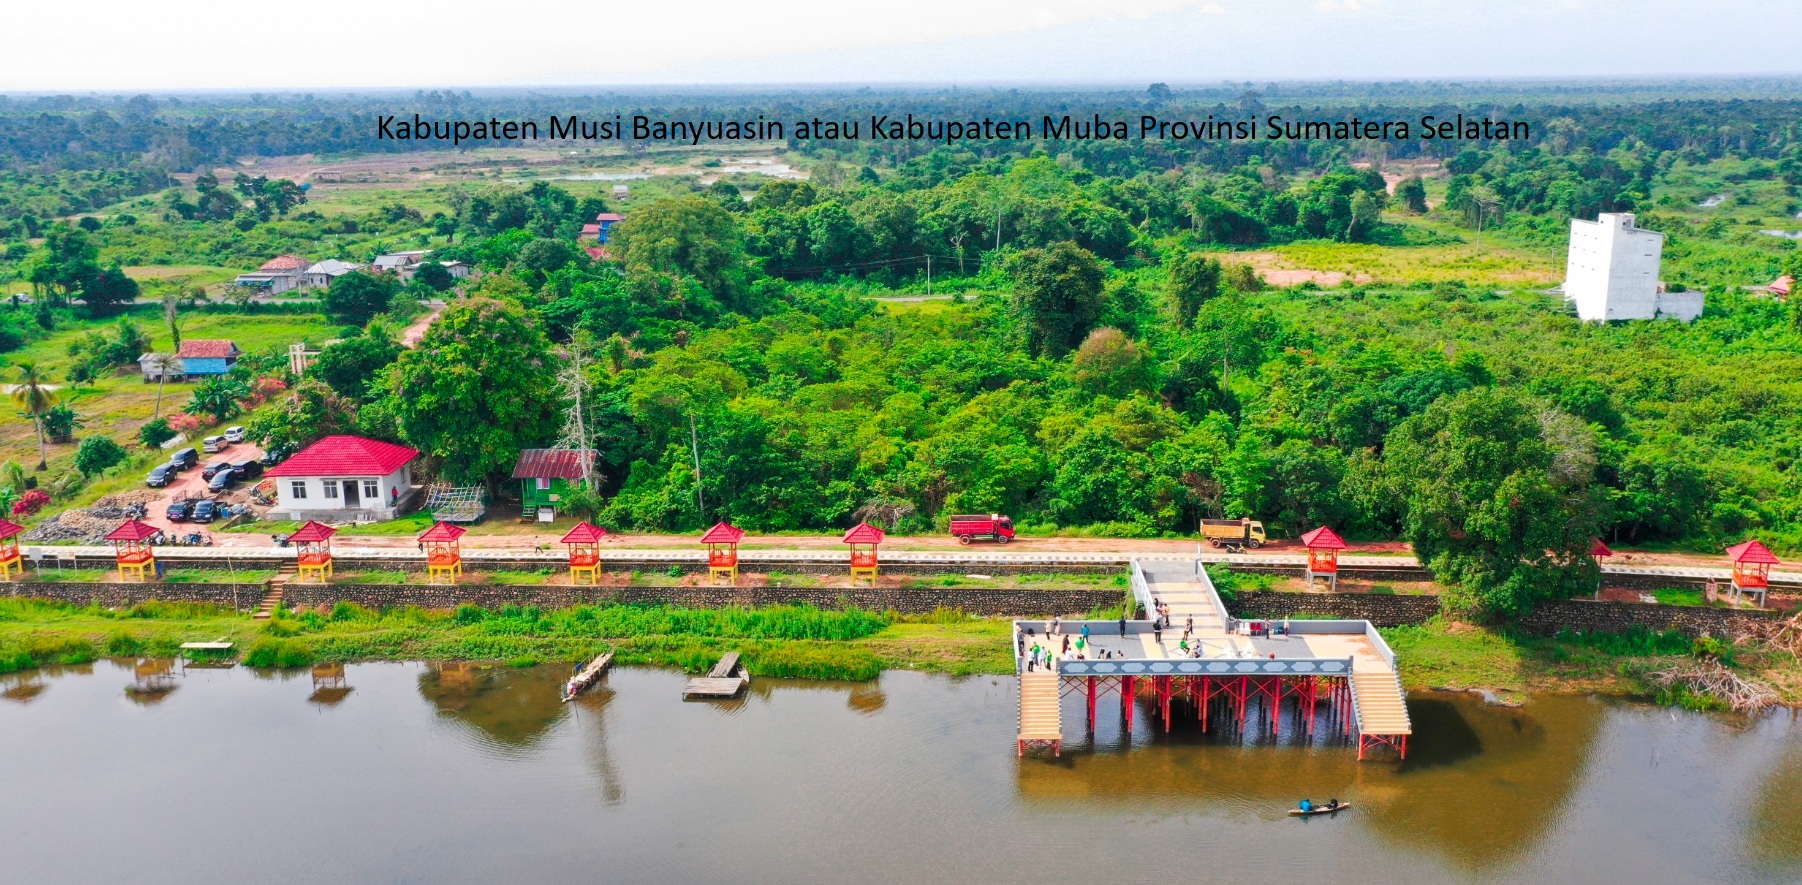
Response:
column 1753, row 551
column 584, row 533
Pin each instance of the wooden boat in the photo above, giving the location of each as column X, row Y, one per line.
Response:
column 586, row 677
column 1318, row 809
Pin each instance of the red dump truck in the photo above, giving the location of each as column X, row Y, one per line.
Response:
column 993, row 527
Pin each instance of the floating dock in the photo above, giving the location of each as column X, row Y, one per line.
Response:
column 725, row 680
column 1340, row 668
column 586, row 677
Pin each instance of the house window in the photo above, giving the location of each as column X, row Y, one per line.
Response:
column 372, row 490
column 331, row 489
column 299, row 488
column 544, row 483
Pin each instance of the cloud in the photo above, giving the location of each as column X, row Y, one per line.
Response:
column 1345, row 5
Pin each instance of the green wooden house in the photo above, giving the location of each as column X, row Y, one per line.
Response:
column 546, row 475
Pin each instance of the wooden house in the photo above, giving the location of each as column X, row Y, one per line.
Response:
column 546, row 475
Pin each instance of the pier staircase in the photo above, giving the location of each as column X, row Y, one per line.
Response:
column 1382, row 710
column 1040, row 723
column 272, row 599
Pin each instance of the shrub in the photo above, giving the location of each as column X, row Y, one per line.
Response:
column 30, row 502
column 278, row 652
column 97, row 453
column 155, row 432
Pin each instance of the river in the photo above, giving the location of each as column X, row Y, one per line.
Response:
column 423, row 773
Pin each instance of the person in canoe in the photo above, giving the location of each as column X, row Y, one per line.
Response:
column 1306, row 806
column 1333, row 805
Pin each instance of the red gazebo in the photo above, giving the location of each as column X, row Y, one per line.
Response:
column 722, row 551
column 315, row 542
column 863, row 539
column 585, row 552
column 1752, row 563
column 1323, row 546
column 1598, row 550
column 131, row 546
column 9, row 550
column 443, row 555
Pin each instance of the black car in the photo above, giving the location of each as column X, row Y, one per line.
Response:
column 247, row 470
column 160, row 476
column 185, row 459
column 179, row 511
column 222, row 479
column 205, row 510
column 276, row 455
column 213, row 469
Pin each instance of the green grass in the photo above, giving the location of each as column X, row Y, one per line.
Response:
column 513, row 577
column 411, row 524
column 217, row 576
column 1680, row 596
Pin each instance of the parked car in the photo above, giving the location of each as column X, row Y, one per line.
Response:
column 213, row 469
column 205, row 510
column 276, row 455
column 180, row 510
column 160, row 476
column 234, row 434
column 185, row 459
column 221, row 480
column 247, row 469
column 215, row 444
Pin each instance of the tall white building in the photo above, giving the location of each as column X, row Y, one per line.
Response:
column 1612, row 273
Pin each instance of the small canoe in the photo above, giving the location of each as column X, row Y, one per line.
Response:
column 1318, row 809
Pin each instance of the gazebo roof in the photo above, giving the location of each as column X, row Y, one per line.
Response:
column 1752, row 551
column 8, row 528
column 133, row 530
column 1323, row 538
column 584, row 533
column 1600, row 549
column 723, row 533
column 312, row 533
column 863, row 533
column 443, row 531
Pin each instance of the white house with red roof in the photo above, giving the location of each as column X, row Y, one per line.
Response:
column 277, row 275
column 345, row 478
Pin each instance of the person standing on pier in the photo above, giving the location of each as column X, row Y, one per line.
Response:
column 1122, row 626
column 1057, row 625
column 1085, row 631
column 1066, row 649
column 1157, row 632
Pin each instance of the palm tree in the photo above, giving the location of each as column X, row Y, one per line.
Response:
column 34, row 398
column 164, row 363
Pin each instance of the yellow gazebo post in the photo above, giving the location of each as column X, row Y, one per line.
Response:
column 864, row 539
column 585, row 552
column 442, row 553
column 315, row 541
column 131, row 545
column 10, row 561
column 722, row 552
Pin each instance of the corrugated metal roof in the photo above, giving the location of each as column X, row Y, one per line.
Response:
column 863, row 533
column 723, row 533
column 552, row 463
column 133, row 530
column 282, row 263
column 203, row 348
column 312, row 533
column 346, row 455
column 443, row 531
column 584, row 533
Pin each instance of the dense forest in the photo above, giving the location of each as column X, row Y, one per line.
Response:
column 1102, row 364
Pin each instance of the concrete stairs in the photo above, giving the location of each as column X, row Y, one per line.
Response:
column 1039, row 718
column 1382, row 709
column 272, row 599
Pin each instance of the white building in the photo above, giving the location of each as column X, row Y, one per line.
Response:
column 344, row 479
column 321, row 274
column 1611, row 273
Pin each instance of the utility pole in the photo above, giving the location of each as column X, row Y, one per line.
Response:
column 928, row 275
column 997, row 225
column 694, row 448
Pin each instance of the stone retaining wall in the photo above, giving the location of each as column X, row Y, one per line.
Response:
column 1022, row 602
column 1380, row 609
column 240, row 596
column 1618, row 617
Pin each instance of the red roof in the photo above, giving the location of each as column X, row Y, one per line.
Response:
column 1782, row 285
column 1323, row 538
column 133, row 530
column 1754, row 552
column 584, row 533
column 285, row 262
column 723, row 533
column 591, row 228
column 598, row 253
column 1600, row 549
column 552, row 463
column 610, row 216
column 443, row 531
column 200, row 348
column 8, row 528
column 345, row 455
column 863, row 533
column 312, row 533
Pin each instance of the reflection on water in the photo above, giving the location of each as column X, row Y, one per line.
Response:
column 152, row 680
column 471, row 773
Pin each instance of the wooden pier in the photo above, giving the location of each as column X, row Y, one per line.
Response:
column 586, row 677
column 725, row 680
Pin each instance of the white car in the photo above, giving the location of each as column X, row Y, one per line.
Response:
column 234, row 434
column 214, row 444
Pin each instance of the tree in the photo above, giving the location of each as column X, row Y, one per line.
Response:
column 1057, row 296
column 1496, row 495
column 353, row 366
column 358, row 297
column 34, row 398
column 307, row 411
column 1193, row 280
column 218, row 398
column 1411, row 192
column 1108, row 364
column 61, row 421
column 690, row 237
column 436, row 275
column 97, row 453
column 480, row 387
column 105, row 291
column 155, row 432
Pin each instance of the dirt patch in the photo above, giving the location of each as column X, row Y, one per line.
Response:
column 1276, row 271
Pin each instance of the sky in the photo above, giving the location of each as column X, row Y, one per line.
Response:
column 113, row 46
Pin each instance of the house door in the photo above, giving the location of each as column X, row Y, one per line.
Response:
column 350, row 493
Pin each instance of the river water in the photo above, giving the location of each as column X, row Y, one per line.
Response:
column 421, row 773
